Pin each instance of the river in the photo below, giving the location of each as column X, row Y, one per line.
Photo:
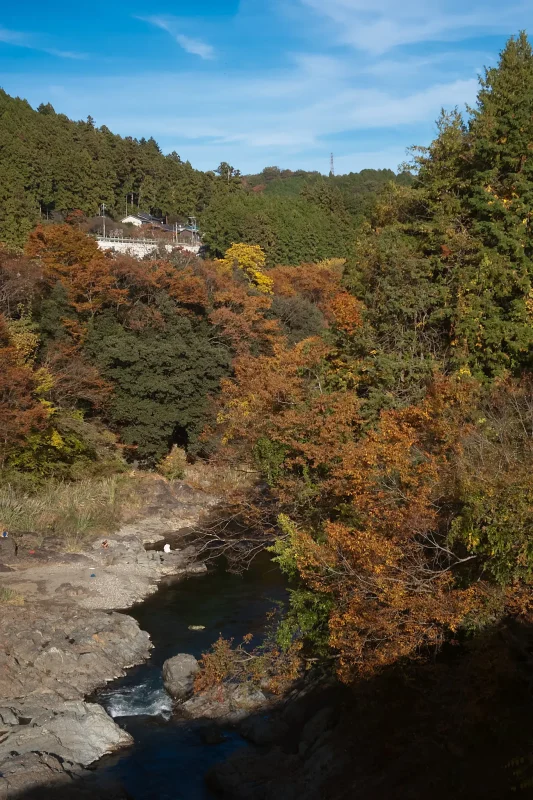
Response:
column 170, row 758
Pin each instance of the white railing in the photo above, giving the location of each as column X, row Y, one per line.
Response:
column 142, row 247
column 139, row 240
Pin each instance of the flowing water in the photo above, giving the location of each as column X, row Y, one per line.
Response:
column 170, row 758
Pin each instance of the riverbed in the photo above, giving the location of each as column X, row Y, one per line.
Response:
column 171, row 757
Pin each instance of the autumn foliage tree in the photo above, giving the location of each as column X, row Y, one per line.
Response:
column 21, row 412
column 69, row 256
column 396, row 444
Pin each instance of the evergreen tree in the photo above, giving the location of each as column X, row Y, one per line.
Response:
column 162, row 378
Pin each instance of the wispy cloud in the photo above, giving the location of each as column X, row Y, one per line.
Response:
column 195, row 46
column 380, row 25
column 271, row 115
column 12, row 37
column 190, row 44
column 29, row 41
column 64, row 53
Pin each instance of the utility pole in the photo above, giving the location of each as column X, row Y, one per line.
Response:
column 331, row 165
column 103, row 217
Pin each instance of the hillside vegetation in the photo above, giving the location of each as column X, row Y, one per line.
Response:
column 397, row 445
column 52, row 168
column 384, row 397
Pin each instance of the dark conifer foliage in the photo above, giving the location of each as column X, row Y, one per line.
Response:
column 51, row 166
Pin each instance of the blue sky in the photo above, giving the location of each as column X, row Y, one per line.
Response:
column 259, row 82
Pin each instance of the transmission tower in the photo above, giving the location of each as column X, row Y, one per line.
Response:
column 331, row 165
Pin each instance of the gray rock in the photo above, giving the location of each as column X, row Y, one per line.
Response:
column 178, row 675
column 23, row 773
column 66, row 652
column 7, row 717
column 46, row 777
column 230, row 703
column 246, row 697
column 212, row 704
column 73, row 731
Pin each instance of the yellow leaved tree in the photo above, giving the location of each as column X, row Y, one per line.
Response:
column 250, row 259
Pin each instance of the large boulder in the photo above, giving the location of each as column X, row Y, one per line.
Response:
column 46, row 775
column 65, row 652
column 178, row 675
column 40, row 776
column 324, row 720
column 73, row 731
column 230, row 703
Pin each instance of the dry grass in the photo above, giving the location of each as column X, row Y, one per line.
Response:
column 8, row 597
column 220, row 479
column 73, row 512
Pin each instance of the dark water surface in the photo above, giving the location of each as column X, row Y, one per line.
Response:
column 169, row 758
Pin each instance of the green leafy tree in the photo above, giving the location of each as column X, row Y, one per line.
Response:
column 162, row 378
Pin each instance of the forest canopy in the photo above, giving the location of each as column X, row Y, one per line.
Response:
column 52, row 167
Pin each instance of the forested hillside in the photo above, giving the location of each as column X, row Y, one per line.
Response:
column 357, row 189
column 51, row 166
column 91, row 338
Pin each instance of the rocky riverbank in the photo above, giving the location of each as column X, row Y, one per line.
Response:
column 66, row 638
column 299, row 738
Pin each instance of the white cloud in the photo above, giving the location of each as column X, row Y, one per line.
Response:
column 263, row 103
column 19, row 39
column 195, row 46
column 11, row 37
column 284, row 111
column 64, row 53
column 190, row 44
column 379, row 25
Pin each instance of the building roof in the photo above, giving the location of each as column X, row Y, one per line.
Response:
column 144, row 217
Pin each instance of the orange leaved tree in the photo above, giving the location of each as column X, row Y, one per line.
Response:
column 73, row 258
column 20, row 411
column 366, row 511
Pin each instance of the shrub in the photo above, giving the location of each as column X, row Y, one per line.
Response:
column 70, row 448
column 173, row 465
column 263, row 665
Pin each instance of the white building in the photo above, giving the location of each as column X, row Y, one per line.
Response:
column 141, row 218
column 132, row 220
